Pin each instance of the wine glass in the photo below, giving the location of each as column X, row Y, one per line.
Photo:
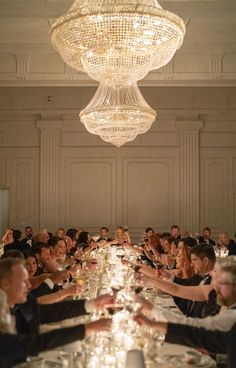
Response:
column 120, row 252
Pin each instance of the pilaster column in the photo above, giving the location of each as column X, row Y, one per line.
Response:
column 189, row 173
column 50, row 134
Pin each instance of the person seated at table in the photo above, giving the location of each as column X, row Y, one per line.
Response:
column 57, row 254
column 224, row 281
column 16, row 244
column 6, row 323
column 104, row 234
column 60, row 232
column 226, row 299
column 85, row 242
column 7, row 237
column 41, row 236
column 149, row 232
column 206, row 235
column 70, row 248
column 28, row 315
column 175, row 231
column 153, row 248
column 184, row 269
column 202, row 259
column 73, row 234
column 167, row 258
column 122, row 236
column 225, row 243
column 43, row 286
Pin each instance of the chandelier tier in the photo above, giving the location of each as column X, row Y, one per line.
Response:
column 118, row 115
column 117, row 42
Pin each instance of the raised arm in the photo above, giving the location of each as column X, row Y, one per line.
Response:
column 197, row 293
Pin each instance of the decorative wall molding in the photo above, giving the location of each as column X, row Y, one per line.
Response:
column 44, row 139
column 189, row 173
column 22, row 63
column 50, row 132
column 88, row 191
column 215, row 192
column 149, row 193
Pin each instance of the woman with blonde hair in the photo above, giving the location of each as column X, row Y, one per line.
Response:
column 122, row 236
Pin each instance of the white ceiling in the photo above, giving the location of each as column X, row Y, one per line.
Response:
column 207, row 57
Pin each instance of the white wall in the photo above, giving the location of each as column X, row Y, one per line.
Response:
column 182, row 171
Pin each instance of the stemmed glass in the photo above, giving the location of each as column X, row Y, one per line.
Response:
column 120, row 252
column 156, row 340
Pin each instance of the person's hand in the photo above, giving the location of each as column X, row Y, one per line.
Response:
column 162, row 273
column 73, row 270
column 59, row 276
column 97, row 326
column 91, row 265
column 146, row 279
column 143, row 321
column 8, row 237
column 126, row 262
column 148, row 271
column 104, row 301
column 73, row 290
column 146, row 306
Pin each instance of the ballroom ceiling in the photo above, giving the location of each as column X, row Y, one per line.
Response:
column 207, row 57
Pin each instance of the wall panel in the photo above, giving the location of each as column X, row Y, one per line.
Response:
column 148, row 192
column 217, row 210
column 88, row 186
column 23, row 184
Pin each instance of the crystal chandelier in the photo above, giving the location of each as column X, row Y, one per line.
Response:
column 117, row 42
column 117, row 115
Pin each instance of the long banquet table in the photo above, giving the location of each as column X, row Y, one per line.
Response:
column 109, row 349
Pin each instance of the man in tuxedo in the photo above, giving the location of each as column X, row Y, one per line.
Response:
column 104, row 234
column 215, row 342
column 202, row 260
column 27, row 315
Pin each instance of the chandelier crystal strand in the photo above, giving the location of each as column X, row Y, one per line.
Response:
column 118, row 115
column 117, row 42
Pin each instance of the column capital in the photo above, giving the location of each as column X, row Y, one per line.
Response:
column 189, row 125
column 52, row 125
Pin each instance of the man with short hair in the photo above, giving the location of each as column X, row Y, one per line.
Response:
column 202, row 260
column 226, row 242
column 104, row 234
column 178, row 332
column 206, row 235
column 28, row 315
column 28, row 236
column 175, row 231
column 43, row 255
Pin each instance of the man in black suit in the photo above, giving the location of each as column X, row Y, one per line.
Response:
column 202, row 259
column 214, row 341
column 27, row 315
